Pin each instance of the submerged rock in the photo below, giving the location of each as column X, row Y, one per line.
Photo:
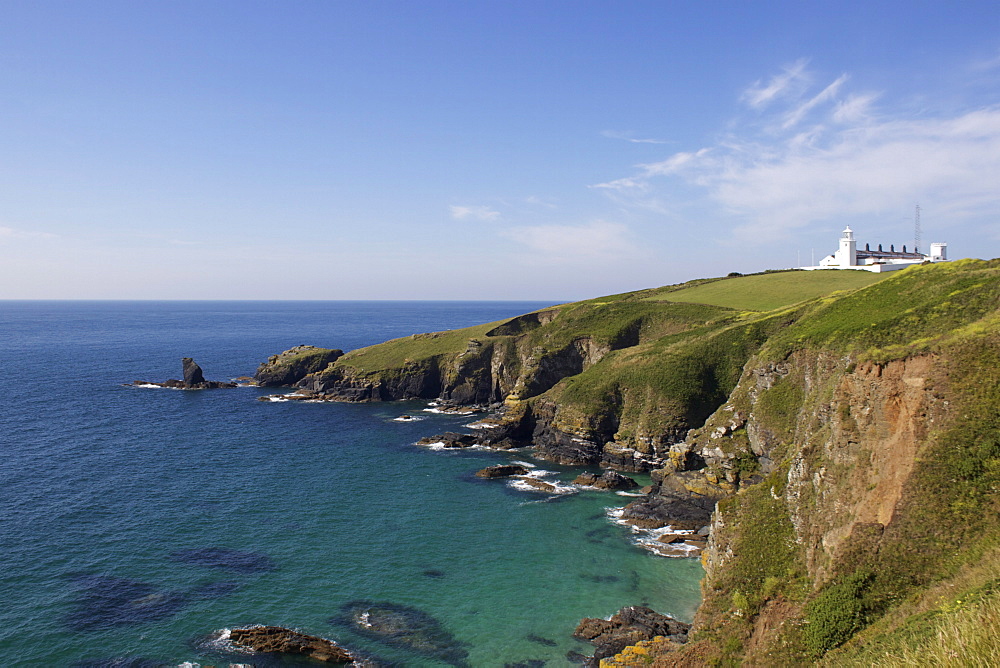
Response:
column 120, row 663
column 627, row 627
column 213, row 590
column 402, row 626
column 236, row 561
column 104, row 602
column 275, row 639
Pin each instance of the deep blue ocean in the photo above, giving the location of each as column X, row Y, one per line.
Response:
column 137, row 522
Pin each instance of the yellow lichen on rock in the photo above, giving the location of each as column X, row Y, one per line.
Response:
column 643, row 653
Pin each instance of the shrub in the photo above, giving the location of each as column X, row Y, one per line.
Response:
column 837, row 613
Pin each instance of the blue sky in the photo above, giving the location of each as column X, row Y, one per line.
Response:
column 481, row 150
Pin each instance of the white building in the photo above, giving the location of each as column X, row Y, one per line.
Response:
column 849, row 257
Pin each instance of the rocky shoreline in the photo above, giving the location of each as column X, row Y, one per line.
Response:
column 677, row 520
column 674, row 512
column 402, row 626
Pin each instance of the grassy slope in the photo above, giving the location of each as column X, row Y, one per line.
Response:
column 766, row 292
column 418, row 347
column 655, row 313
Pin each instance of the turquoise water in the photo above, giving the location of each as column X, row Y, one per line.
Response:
column 120, row 501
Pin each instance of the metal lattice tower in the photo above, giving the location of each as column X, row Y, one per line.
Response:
column 916, row 231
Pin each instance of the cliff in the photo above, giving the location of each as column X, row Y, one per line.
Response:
column 863, row 442
column 843, row 447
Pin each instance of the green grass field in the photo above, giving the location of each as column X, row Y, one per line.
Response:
column 765, row 292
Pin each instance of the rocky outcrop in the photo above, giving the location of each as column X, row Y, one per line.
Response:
column 192, row 372
column 502, row 471
column 658, row 510
column 294, row 364
column 451, row 439
column 609, row 480
column 627, row 627
column 415, row 380
column 278, row 640
column 194, row 379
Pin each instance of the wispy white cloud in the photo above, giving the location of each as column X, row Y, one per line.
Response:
column 627, row 136
column 597, row 240
column 793, row 77
column 545, row 203
column 827, row 155
column 987, row 64
column 475, row 212
column 14, row 233
column 671, row 165
column 799, row 112
column 855, row 108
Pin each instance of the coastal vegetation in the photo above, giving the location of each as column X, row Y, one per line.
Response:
column 837, row 432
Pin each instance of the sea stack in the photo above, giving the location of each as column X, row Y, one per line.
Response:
column 192, row 372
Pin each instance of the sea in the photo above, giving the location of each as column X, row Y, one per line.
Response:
column 138, row 525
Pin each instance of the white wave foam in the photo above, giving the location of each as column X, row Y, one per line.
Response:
column 437, row 445
column 449, row 411
column 525, row 464
column 649, row 539
column 407, row 418
column 624, row 493
column 550, row 487
column 221, row 641
column 481, row 425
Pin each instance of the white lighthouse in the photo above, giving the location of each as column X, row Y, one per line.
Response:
column 876, row 259
column 847, row 254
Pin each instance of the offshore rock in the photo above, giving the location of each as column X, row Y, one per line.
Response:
column 451, row 439
column 629, row 626
column 194, row 379
column 192, row 372
column 609, row 480
column 275, row 639
column 502, row 471
column 656, row 511
column 294, row 364
column 540, row 485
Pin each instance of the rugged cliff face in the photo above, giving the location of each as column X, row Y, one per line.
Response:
column 865, row 463
column 294, row 364
column 582, row 382
column 842, row 452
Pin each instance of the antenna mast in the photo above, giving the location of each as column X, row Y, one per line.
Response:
column 916, row 231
